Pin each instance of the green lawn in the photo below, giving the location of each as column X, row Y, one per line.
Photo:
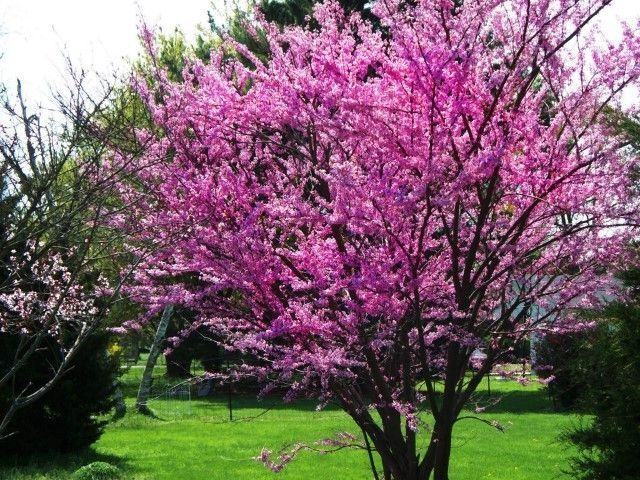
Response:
column 195, row 440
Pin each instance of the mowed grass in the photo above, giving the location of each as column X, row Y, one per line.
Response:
column 196, row 441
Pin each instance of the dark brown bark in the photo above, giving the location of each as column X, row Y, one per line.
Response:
column 443, row 451
column 435, row 463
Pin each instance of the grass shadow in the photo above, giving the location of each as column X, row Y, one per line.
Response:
column 516, row 401
column 33, row 465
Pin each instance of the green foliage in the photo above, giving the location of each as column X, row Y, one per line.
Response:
column 200, row 344
column 287, row 12
column 280, row 12
column 173, row 52
column 97, row 471
column 627, row 127
column 64, row 419
column 609, row 369
column 295, row 12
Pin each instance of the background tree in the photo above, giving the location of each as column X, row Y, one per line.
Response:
column 53, row 248
column 145, row 384
column 241, row 26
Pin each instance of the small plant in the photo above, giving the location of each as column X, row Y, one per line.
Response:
column 97, row 471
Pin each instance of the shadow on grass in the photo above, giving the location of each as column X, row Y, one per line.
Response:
column 247, row 401
column 46, row 462
column 506, row 397
column 519, row 401
column 515, row 401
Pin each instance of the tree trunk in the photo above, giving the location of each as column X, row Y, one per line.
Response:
column 145, row 384
column 120, row 406
column 443, row 452
column 436, row 460
column 398, row 458
column 134, row 353
column 391, row 436
column 446, row 417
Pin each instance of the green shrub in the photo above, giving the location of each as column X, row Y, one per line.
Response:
column 65, row 418
column 609, row 370
column 97, row 471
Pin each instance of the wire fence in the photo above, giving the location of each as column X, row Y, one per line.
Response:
column 172, row 402
column 170, row 398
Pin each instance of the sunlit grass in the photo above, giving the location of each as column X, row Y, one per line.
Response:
column 201, row 443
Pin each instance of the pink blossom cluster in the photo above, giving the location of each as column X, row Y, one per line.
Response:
column 42, row 293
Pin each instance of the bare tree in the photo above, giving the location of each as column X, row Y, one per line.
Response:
column 55, row 198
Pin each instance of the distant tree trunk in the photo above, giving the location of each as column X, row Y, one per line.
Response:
column 120, row 406
column 154, row 352
column 134, row 354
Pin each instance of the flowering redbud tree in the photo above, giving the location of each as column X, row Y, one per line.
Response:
column 371, row 206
